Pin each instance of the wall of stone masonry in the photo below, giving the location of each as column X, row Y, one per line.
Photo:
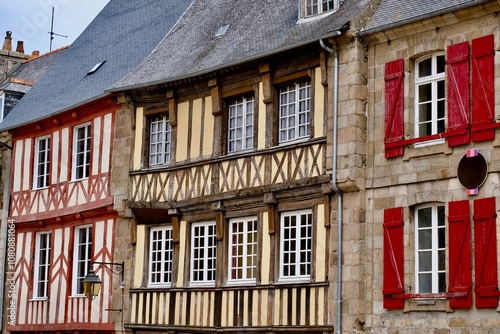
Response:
column 122, row 148
column 424, row 174
column 350, row 179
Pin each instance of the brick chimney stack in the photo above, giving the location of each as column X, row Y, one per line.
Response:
column 7, row 44
column 20, row 47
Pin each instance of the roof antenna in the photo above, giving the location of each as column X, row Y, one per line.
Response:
column 51, row 32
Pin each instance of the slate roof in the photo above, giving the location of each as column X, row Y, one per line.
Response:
column 30, row 71
column 123, row 34
column 257, row 28
column 393, row 13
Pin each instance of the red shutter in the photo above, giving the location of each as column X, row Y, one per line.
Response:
column 483, row 88
column 394, row 98
column 485, row 253
column 393, row 258
column 460, row 274
column 458, row 93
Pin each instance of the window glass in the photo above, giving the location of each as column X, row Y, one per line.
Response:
column 160, row 141
column 82, row 257
column 81, row 158
column 240, row 124
column 430, row 249
column 295, row 109
column 314, row 7
column 296, row 245
column 203, row 253
column 430, row 96
column 160, row 256
column 243, row 250
column 42, row 161
column 42, row 260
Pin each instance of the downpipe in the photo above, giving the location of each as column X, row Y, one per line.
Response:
column 333, row 50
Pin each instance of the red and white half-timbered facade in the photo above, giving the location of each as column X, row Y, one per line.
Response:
column 62, row 211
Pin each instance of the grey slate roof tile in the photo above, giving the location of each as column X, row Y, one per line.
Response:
column 392, row 13
column 256, row 28
column 123, row 33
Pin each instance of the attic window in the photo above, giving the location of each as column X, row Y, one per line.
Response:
column 316, row 7
column 222, row 30
column 95, row 68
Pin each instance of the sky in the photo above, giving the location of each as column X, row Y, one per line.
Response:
column 30, row 21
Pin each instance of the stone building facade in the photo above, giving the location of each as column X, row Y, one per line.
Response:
column 432, row 179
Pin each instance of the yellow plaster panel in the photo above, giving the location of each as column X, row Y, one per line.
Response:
column 320, row 244
column 208, row 129
column 266, row 249
column 264, row 307
column 139, row 256
column 139, row 125
column 183, row 130
column 261, row 130
column 196, row 128
column 321, row 307
column 182, row 253
column 319, row 104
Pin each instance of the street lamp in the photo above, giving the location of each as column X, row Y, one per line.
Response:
column 92, row 283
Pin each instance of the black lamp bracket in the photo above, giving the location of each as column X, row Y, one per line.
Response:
column 118, row 267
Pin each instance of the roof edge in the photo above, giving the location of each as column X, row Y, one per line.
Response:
column 421, row 17
column 18, row 125
column 332, row 33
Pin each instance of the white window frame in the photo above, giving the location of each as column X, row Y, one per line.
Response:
column 41, row 168
column 82, row 257
column 161, row 251
column 242, row 251
column 2, row 107
column 430, row 245
column 317, row 7
column 160, row 141
column 241, row 124
column 81, row 151
column 42, row 265
column 203, row 254
column 294, row 242
column 434, row 79
column 295, row 112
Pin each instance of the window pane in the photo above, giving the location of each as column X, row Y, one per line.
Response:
column 425, row 68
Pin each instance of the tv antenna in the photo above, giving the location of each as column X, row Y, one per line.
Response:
column 51, row 32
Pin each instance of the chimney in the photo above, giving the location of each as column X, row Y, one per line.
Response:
column 20, row 47
column 7, row 44
column 35, row 53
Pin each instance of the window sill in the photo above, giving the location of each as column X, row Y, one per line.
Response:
column 38, row 299
column 427, row 305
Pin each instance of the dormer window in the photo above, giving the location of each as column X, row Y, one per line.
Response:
column 316, row 7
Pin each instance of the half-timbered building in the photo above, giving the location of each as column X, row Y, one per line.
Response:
column 432, row 175
column 234, row 184
column 62, row 215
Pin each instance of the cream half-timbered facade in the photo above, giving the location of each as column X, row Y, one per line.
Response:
column 62, row 211
column 232, row 222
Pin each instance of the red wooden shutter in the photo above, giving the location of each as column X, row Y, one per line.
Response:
column 485, row 253
column 394, row 104
column 393, row 258
column 483, row 88
column 458, row 93
column 460, row 274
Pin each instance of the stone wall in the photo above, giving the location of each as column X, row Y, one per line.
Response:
column 423, row 174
